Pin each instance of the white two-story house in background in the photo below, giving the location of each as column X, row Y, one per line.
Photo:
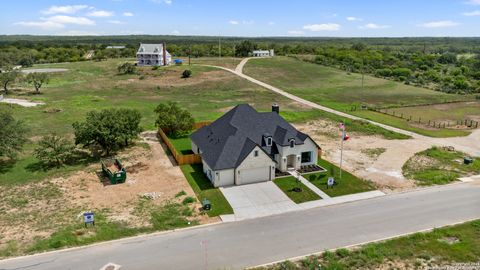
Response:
column 245, row 146
column 153, row 55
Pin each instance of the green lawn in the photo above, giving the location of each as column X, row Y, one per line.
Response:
column 203, row 188
column 348, row 184
column 339, row 90
column 437, row 166
column 417, row 251
column 287, row 184
column 182, row 144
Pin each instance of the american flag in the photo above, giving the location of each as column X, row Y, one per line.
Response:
column 345, row 136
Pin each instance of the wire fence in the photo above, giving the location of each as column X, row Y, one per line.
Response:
column 465, row 123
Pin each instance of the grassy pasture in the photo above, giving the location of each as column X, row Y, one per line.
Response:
column 437, row 166
column 93, row 85
column 339, row 90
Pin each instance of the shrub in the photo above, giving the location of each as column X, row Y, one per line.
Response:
column 188, row 200
column 127, row 68
column 109, row 129
column 180, row 194
column 12, row 135
column 54, row 150
column 186, row 73
column 173, row 120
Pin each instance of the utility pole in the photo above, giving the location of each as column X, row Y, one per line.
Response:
column 219, row 50
column 341, row 147
column 363, row 71
column 234, row 54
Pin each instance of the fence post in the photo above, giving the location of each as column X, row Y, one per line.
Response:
column 419, row 120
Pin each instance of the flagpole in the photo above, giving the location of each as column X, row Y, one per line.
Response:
column 341, row 149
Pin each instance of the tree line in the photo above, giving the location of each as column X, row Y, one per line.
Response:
column 447, row 72
column 28, row 50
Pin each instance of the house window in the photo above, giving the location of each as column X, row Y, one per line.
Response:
column 255, row 153
column 292, row 143
column 269, row 141
column 306, row 157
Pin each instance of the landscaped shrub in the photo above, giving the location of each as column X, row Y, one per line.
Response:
column 186, row 73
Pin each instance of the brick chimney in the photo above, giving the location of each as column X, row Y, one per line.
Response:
column 164, row 47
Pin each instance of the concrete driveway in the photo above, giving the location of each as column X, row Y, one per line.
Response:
column 258, row 200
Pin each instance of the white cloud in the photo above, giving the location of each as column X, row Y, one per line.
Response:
column 115, row 22
column 64, row 9
column 100, row 13
column 77, row 33
column 128, row 14
column 473, row 13
column 168, row 2
column 474, row 2
column 235, row 22
column 63, row 19
column 271, row 23
column 175, row 32
column 46, row 25
column 56, row 22
column 439, row 24
column 322, row 27
column 373, row 26
column 296, row 32
column 351, row 18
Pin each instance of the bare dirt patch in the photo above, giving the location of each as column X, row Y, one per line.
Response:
column 148, row 172
column 384, row 168
column 39, row 209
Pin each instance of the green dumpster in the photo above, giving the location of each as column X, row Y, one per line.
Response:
column 206, row 205
column 114, row 171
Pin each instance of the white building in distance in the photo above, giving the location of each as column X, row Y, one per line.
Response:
column 263, row 53
column 153, row 55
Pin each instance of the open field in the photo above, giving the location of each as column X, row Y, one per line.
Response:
column 341, row 91
column 228, row 62
column 43, row 215
column 449, row 246
column 436, row 166
column 95, row 85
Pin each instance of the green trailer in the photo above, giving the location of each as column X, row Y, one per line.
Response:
column 114, row 171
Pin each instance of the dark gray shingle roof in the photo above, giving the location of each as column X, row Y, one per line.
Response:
column 226, row 142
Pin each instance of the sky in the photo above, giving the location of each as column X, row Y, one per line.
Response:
column 249, row 18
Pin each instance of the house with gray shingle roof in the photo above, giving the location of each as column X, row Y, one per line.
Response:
column 153, row 55
column 245, row 146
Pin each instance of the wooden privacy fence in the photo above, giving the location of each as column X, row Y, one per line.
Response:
column 181, row 158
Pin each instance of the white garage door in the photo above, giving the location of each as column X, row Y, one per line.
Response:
column 254, row 175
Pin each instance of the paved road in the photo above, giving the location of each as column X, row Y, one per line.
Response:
column 252, row 242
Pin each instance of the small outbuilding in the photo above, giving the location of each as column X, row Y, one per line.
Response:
column 263, row 53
